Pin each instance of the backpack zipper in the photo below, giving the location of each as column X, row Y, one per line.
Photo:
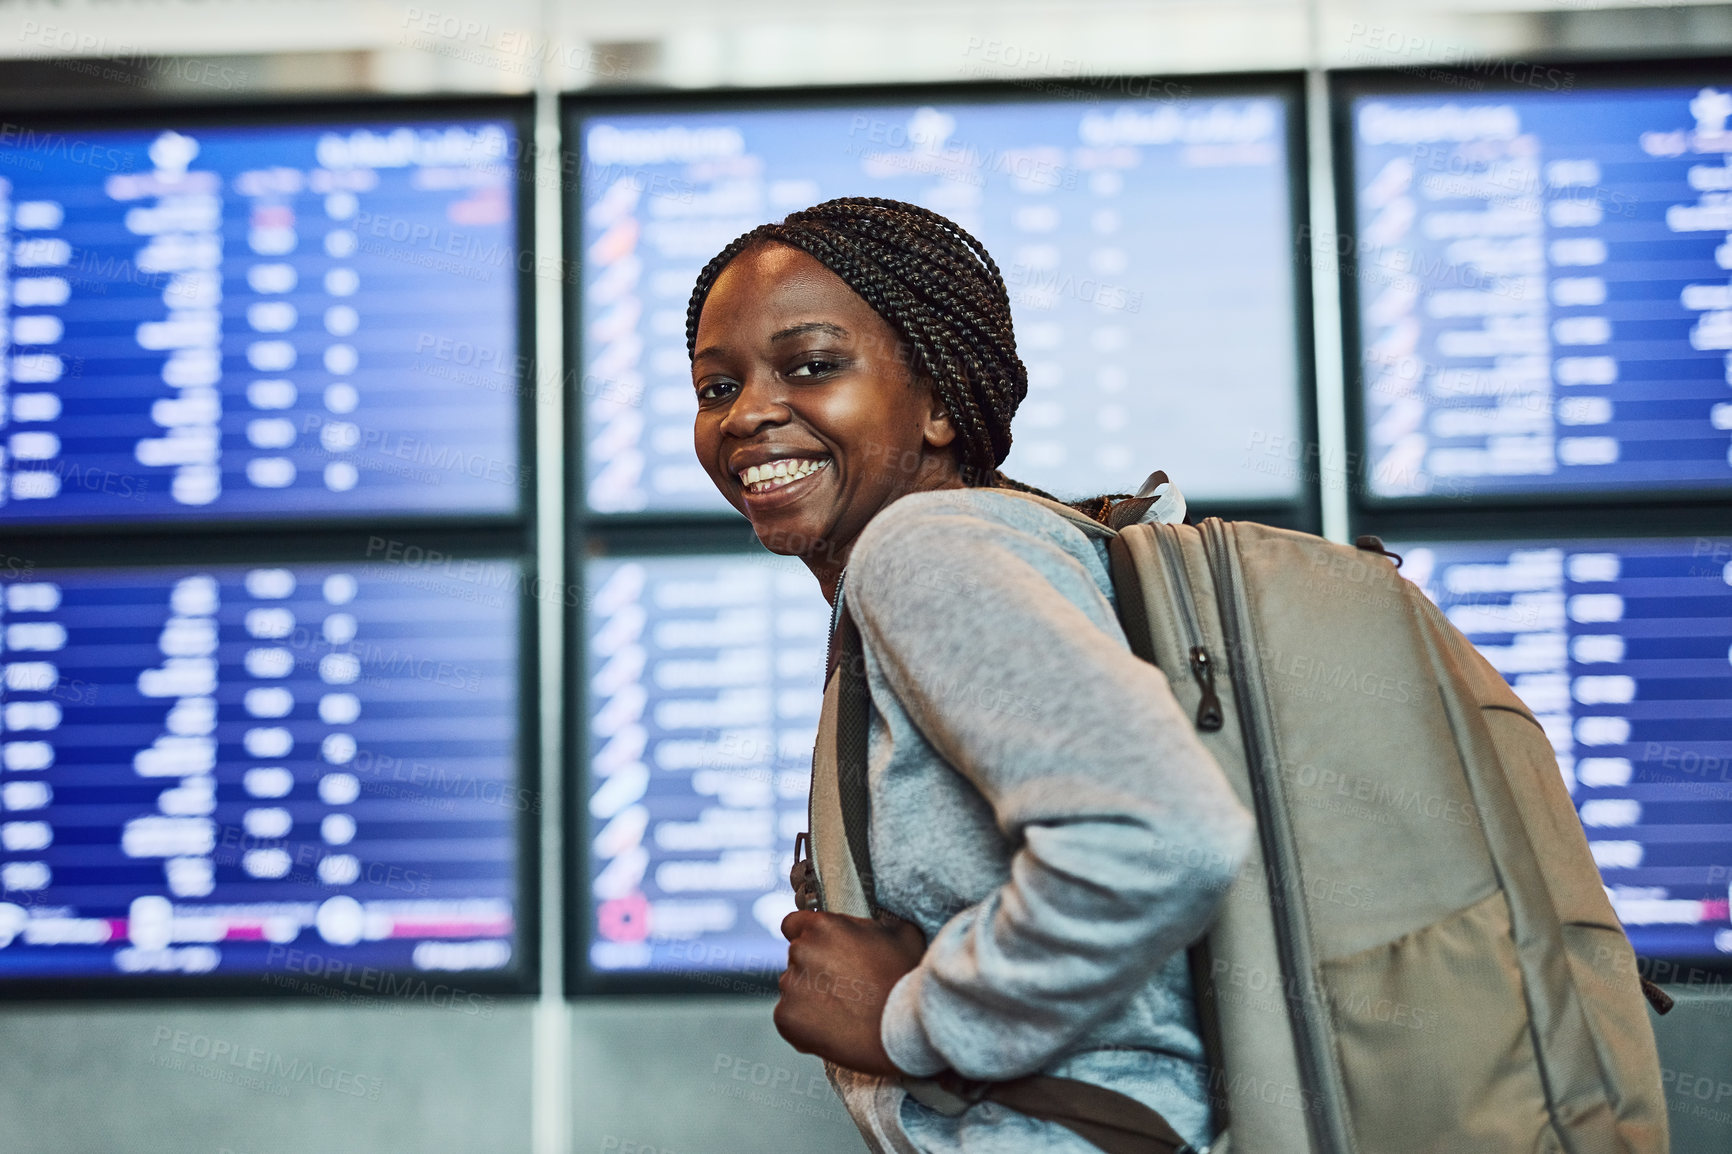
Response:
column 1209, row 717
column 1304, row 995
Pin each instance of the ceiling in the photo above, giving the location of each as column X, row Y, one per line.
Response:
column 221, row 48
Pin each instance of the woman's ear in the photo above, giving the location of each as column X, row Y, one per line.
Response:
column 937, row 429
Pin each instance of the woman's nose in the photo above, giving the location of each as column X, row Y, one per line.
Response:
column 758, row 403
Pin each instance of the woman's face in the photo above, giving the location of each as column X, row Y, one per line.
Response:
column 809, row 419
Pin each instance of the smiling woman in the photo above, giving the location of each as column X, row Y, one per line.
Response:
column 807, row 412
column 864, row 336
column 1046, row 833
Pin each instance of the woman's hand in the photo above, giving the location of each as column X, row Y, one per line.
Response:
column 839, row 975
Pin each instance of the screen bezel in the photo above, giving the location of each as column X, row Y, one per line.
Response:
column 1598, row 507
column 1300, row 511
column 516, row 111
column 521, row 977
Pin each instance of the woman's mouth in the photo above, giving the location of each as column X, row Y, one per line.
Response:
column 759, row 480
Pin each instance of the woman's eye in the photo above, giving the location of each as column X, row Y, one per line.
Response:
column 813, row 367
column 714, row 390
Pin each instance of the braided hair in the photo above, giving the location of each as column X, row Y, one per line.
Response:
column 940, row 290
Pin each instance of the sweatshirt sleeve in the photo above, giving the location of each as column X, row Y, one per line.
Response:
column 1125, row 833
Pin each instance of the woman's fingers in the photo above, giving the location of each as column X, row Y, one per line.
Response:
column 800, row 921
column 840, row 971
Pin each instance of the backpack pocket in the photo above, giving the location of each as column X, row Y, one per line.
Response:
column 1435, row 1041
column 1604, row 966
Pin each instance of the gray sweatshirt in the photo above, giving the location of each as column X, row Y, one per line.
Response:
column 1042, row 809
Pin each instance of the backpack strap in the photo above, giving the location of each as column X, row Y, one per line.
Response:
column 1113, row 1122
column 853, row 729
column 1133, row 616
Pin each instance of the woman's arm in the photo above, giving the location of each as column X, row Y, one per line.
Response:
column 1002, row 649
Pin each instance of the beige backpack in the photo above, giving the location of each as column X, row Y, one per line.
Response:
column 1420, row 955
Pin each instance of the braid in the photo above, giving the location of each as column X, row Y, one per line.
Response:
column 935, row 284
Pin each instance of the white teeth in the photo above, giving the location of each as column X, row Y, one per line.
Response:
column 775, row 474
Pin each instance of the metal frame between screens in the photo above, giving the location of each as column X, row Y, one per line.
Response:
column 597, row 535
column 521, row 977
column 518, row 111
column 1552, row 513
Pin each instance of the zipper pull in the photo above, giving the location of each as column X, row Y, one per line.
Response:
column 808, row 895
column 1209, row 708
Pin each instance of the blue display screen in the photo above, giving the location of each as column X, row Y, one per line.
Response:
column 705, row 677
column 294, row 321
column 1544, row 296
column 226, row 770
column 1147, row 248
column 1623, row 650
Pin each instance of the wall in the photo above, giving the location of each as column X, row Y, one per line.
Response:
column 673, row 1076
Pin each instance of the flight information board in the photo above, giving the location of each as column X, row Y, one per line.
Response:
column 1544, row 296
column 226, row 770
column 275, row 321
column 1623, row 650
column 1147, row 247
column 705, row 677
